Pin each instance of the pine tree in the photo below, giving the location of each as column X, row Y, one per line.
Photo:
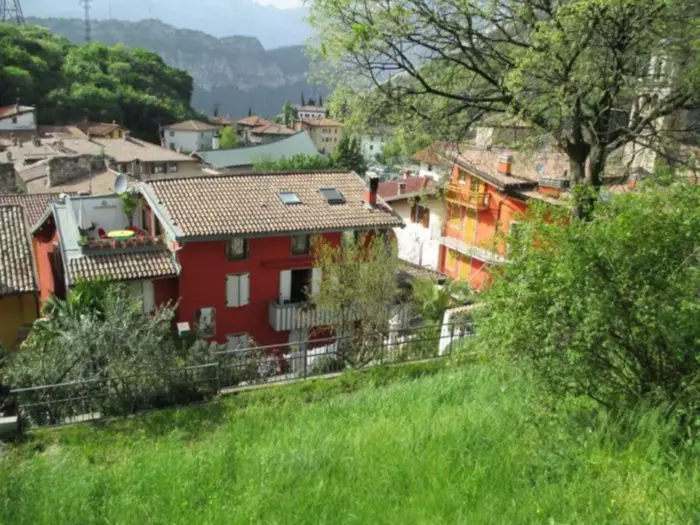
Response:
column 303, row 103
column 348, row 156
column 250, row 111
column 320, row 101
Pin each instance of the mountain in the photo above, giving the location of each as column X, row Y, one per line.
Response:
column 273, row 27
column 236, row 72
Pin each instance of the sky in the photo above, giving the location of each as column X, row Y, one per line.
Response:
column 281, row 4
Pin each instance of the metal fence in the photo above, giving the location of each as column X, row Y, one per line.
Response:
column 232, row 369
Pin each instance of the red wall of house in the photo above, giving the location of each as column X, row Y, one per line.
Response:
column 166, row 290
column 202, row 284
column 43, row 241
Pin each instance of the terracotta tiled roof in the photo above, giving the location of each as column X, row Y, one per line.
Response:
column 322, row 122
column 404, row 188
column 272, row 129
column 14, row 109
column 435, row 153
column 16, row 258
column 34, row 204
column 250, row 204
column 221, row 121
column 192, row 125
column 253, row 121
column 97, row 129
column 127, row 266
column 527, row 166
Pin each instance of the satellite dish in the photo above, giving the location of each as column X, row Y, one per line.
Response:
column 120, row 183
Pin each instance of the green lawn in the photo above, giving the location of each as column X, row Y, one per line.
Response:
column 458, row 446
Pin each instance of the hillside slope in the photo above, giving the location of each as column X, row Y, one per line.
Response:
column 236, row 71
column 272, row 26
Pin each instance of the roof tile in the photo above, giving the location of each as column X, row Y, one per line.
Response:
column 16, row 258
column 34, row 204
column 249, row 204
column 124, row 266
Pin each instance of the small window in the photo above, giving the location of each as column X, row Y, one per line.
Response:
column 14, row 120
column 289, row 197
column 301, row 244
column 333, row 196
column 430, row 167
column 237, row 290
column 159, row 167
column 205, row 322
column 172, row 146
column 238, row 342
column 462, row 176
column 173, row 167
column 237, row 249
column 172, row 133
column 420, row 214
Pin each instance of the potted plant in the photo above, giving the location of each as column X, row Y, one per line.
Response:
column 130, row 203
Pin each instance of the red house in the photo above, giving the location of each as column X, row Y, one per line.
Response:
column 234, row 250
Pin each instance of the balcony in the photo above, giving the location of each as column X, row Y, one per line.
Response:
column 295, row 316
column 460, row 195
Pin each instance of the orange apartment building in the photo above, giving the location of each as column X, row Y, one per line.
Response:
column 486, row 196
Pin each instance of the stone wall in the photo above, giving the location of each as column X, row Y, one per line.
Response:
column 62, row 170
column 8, row 178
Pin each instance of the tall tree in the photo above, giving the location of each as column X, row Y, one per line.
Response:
column 289, row 113
column 250, row 111
column 592, row 75
column 303, row 102
column 348, row 155
column 320, row 101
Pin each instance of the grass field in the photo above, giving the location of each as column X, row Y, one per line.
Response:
column 473, row 445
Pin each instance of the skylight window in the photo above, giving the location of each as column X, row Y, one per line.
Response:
column 289, row 197
column 333, row 196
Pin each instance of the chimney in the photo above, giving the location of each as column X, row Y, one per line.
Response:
column 505, row 165
column 401, row 188
column 215, row 141
column 371, row 191
column 406, row 173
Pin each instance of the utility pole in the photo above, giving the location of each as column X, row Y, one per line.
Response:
column 11, row 11
column 88, row 27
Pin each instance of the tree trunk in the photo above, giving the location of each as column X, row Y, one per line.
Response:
column 578, row 153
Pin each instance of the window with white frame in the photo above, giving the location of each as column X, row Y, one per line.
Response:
column 237, row 290
column 173, row 167
column 237, row 342
column 301, row 244
column 172, row 133
column 237, row 249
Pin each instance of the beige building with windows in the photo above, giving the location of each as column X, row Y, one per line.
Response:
column 325, row 133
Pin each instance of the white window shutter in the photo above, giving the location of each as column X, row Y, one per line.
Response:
column 149, row 300
column 285, row 286
column 315, row 281
column 244, row 289
column 232, row 290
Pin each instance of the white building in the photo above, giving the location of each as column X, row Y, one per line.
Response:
column 310, row 112
column 413, row 198
column 17, row 118
column 190, row 136
column 433, row 162
column 372, row 144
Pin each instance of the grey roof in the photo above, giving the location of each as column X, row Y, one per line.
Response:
column 16, row 257
column 300, row 143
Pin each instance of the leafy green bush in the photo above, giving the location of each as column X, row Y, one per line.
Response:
column 607, row 308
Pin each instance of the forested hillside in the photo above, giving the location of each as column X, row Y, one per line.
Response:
column 235, row 72
column 96, row 82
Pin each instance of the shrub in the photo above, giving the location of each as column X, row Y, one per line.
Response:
column 607, row 308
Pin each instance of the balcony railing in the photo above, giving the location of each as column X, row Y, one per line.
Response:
column 295, row 316
column 475, row 200
column 135, row 244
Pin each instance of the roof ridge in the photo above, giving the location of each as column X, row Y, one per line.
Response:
column 253, row 175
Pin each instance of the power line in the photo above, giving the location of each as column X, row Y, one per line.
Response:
column 88, row 26
column 11, row 11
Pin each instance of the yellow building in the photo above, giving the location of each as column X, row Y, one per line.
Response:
column 325, row 133
column 18, row 283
